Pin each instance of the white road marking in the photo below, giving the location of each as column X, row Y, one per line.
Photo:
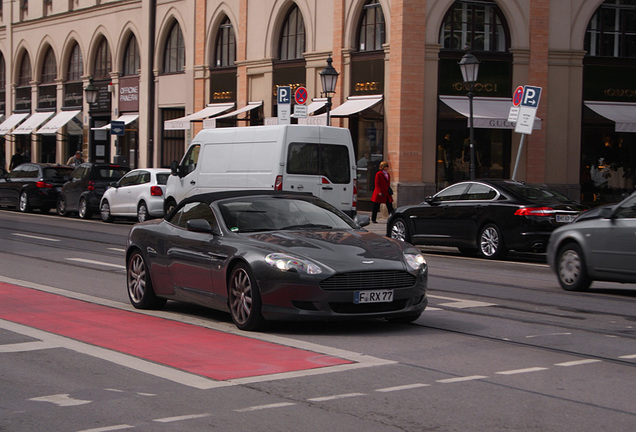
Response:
column 630, row 356
column 35, row 237
column 577, row 362
column 402, row 387
column 520, row 371
column 181, row 418
column 548, row 334
column 461, row 379
column 87, row 261
column 63, row 400
column 460, row 303
column 335, row 397
column 26, row 346
column 264, row 407
column 117, row 249
column 108, row 428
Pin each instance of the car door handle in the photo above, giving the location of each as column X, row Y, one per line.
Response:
column 192, row 182
column 327, row 188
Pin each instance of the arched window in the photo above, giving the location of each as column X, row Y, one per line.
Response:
column 49, row 68
column 225, row 45
column 174, row 54
column 292, row 39
column 75, row 64
column 131, row 57
column 474, row 23
column 612, row 30
column 3, row 74
column 371, row 34
column 24, row 77
column 102, row 66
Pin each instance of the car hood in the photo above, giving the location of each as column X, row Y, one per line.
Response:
column 340, row 250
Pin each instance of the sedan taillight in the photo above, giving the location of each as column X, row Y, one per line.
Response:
column 43, row 185
column 156, row 191
column 535, row 211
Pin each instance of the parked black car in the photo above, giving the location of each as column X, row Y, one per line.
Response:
column 33, row 185
column 86, row 186
column 488, row 217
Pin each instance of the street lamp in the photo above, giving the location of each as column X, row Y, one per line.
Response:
column 329, row 78
column 90, row 91
column 469, row 66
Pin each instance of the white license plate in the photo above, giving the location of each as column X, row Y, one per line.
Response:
column 376, row 296
column 565, row 218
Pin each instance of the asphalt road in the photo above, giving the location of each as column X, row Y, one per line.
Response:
column 501, row 348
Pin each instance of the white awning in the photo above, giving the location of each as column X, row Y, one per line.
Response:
column 32, row 123
column 183, row 123
column 621, row 113
column 57, row 122
column 488, row 112
column 11, row 122
column 250, row 106
column 126, row 118
column 355, row 104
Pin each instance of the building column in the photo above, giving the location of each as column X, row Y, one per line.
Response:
column 242, row 96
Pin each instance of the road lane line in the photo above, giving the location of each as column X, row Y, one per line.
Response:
column 26, row 346
column 461, row 379
column 402, row 387
column 108, row 428
column 117, row 249
column 630, row 356
column 548, row 334
column 181, row 418
column 521, row 371
column 87, row 261
column 264, row 407
column 63, row 400
column 578, row 362
column 35, row 237
column 335, row 397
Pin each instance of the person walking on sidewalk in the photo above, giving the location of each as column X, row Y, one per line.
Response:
column 382, row 191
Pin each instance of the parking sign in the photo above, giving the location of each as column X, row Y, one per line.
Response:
column 531, row 96
column 284, row 95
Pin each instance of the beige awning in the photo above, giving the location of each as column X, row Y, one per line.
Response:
column 32, row 123
column 488, row 112
column 623, row 114
column 11, row 122
column 57, row 122
column 126, row 118
column 183, row 123
column 355, row 104
column 250, row 106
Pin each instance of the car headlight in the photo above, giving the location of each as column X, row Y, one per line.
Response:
column 415, row 260
column 289, row 263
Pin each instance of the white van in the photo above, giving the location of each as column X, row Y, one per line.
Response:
column 305, row 158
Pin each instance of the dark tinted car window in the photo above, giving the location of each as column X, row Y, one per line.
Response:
column 194, row 210
column 79, row 172
column 162, row 179
column 57, row 173
column 110, row 173
column 536, row 192
column 329, row 160
column 144, row 177
column 481, row 192
column 129, row 179
column 15, row 173
column 452, row 193
column 627, row 210
column 30, row 172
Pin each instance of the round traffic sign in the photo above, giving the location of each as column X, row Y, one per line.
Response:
column 301, row 95
column 517, row 96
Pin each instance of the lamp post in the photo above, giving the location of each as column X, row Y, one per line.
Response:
column 469, row 66
column 329, row 78
column 90, row 91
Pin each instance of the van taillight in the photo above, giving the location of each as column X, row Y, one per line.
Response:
column 42, row 184
column 156, row 191
column 91, row 185
column 354, row 202
column 279, row 183
column 325, row 181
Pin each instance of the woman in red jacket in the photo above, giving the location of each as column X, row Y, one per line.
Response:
column 381, row 193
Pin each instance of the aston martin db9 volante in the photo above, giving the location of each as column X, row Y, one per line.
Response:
column 273, row 255
column 487, row 217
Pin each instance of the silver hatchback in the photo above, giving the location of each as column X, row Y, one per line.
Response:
column 596, row 249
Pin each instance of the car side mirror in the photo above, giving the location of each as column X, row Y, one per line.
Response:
column 429, row 200
column 607, row 213
column 202, row 226
column 174, row 168
column 362, row 220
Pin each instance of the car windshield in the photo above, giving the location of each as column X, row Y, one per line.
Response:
column 57, row 174
column 162, row 179
column 536, row 192
column 268, row 213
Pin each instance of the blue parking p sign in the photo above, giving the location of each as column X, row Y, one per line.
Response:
column 531, row 96
column 284, row 95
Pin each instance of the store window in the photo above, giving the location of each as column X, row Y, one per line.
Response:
column 131, row 57
column 49, row 68
column 478, row 24
column 102, row 65
column 371, row 31
column 225, row 55
column 174, row 53
column 292, row 40
column 75, row 64
column 612, row 30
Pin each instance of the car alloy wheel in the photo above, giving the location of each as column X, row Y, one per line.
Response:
column 571, row 269
column 104, row 212
column 399, row 231
column 84, row 213
column 244, row 299
column 61, row 207
column 139, row 284
column 490, row 242
column 142, row 212
column 24, row 203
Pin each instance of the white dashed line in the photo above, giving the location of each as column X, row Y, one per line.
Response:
column 264, row 407
column 181, row 418
column 117, row 249
column 87, row 261
column 630, row 356
column 334, row 397
column 548, row 334
column 461, row 379
column 402, row 387
column 521, row 371
column 108, row 428
column 35, row 237
column 577, row 362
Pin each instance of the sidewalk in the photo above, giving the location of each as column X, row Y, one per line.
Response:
column 378, row 228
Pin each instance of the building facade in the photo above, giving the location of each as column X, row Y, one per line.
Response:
column 167, row 68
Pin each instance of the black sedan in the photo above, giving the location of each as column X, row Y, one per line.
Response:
column 33, row 185
column 273, row 255
column 487, row 217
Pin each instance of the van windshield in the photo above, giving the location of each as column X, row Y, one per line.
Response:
column 328, row 160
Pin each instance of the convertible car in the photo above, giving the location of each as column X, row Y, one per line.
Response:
column 273, row 255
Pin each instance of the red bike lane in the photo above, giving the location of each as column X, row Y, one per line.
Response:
column 197, row 350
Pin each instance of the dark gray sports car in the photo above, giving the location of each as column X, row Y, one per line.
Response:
column 273, row 255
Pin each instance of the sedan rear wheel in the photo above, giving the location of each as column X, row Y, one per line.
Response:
column 491, row 244
column 84, row 212
column 571, row 268
column 24, row 202
column 140, row 291
column 104, row 212
column 399, row 230
column 142, row 212
column 61, row 207
column 244, row 299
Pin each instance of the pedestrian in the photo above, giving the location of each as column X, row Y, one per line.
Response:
column 75, row 160
column 16, row 159
column 382, row 191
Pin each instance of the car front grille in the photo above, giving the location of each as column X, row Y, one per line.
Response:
column 369, row 280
